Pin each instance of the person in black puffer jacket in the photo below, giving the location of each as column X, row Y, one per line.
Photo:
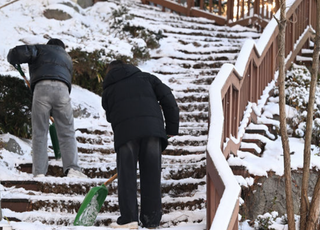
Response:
column 135, row 103
column 50, row 70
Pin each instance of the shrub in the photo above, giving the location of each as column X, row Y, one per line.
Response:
column 315, row 139
column 88, row 69
column 126, row 31
column 15, row 107
column 297, row 85
column 151, row 38
column 264, row 223
column 120, row 12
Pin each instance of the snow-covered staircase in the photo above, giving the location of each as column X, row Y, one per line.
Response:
column 255, row 138
column 306, row 55
column 191, row 54
column 257, row 135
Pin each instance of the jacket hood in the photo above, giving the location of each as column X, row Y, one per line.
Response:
column 119, row 73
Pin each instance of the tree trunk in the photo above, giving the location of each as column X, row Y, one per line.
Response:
column 314, row 208
column 283, row 122
column 309, row 222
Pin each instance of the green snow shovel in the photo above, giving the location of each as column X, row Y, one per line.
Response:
column 92, row 204
column 52, row 128
column 54, row 140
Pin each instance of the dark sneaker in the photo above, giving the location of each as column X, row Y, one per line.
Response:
column 150, row 227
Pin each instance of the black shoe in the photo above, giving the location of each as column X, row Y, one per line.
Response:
column 150, row 226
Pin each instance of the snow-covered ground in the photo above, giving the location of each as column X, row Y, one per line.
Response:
column 89, row 29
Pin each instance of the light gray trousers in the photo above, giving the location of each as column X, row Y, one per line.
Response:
column 52, row 98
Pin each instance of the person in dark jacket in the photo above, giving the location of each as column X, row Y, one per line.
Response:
column 50, row 70
column 134, row 102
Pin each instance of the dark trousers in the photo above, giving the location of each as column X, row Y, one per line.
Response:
column 146, row 151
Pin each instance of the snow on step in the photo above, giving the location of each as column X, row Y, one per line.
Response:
column 265, row 128
column 254, row 136
column 245, row 145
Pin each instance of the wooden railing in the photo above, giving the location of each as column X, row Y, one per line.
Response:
column 223, row 12
column 235, row 92
column 239, row 88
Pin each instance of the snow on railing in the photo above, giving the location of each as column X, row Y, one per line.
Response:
column 225, row 212
column 232, row 190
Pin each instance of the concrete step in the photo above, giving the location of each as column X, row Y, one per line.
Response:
column 170, row 187
column 72, row 205
column 240, row 171
column 103, row 219
column 261, row 129
column 102, row 172
column 254, row 146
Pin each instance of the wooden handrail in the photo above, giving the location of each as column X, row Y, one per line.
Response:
column 239, row 87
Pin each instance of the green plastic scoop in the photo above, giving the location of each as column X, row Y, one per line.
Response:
column 92, row 204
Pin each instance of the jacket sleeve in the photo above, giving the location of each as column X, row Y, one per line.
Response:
column 22, row 54
column 169, row 106
column 104, row 103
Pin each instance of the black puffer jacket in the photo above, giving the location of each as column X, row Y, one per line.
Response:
column 132, row 100
column 46, row 62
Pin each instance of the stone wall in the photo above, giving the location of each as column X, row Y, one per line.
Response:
column 268, row 194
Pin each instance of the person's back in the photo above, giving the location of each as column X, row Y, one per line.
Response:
column 46, row 62
column 133, row 101
column 132, row 105
column 53, row 63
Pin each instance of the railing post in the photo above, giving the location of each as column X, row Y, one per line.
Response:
column 256, row 7
column 242, row 9
column 201, row 4
column 235, row 112
column 231, row 105
column 277, row 6
column 230, row 5
column 310, row 13
column 210, row 6
column 190, row 4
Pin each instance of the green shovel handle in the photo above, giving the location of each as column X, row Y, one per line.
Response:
column 18, row 67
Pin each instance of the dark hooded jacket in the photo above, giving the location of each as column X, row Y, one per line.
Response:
column 132, row 99
column 46, row 62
